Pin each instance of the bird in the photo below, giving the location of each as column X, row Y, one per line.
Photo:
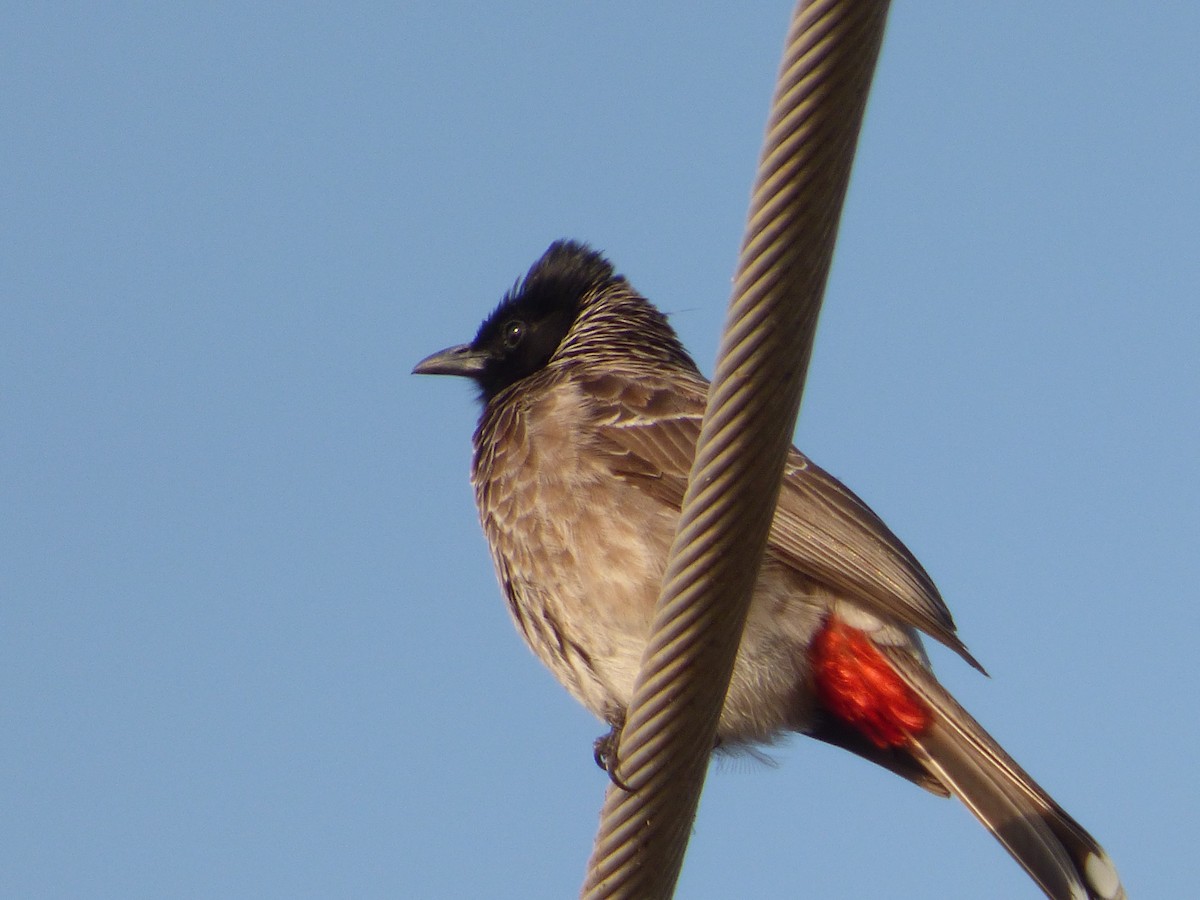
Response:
column 591, row 409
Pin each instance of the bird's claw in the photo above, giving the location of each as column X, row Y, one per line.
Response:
column 604, row 751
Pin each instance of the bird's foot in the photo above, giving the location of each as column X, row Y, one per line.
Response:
column 604, row 751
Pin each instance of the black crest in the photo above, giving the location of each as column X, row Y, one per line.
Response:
column 522, row 333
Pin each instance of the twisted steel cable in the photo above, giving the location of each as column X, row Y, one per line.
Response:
column 663, row 752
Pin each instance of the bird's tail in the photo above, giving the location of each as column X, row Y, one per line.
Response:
column 1053, row 848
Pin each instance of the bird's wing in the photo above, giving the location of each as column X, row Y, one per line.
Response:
column 821, row 526
column 649, row 426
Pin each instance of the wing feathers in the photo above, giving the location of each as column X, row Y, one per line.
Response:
column 649, row 428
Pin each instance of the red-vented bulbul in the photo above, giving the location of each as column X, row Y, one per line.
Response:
column 591, row 411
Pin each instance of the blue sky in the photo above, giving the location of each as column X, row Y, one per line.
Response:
column 250, row 640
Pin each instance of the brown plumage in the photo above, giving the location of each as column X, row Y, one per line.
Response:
column 591, row 412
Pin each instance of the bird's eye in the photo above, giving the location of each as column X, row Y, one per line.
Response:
column 514, row 331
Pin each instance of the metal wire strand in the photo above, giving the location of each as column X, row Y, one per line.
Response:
column 663, row 751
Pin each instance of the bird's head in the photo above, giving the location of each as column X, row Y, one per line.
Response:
column 570, row 306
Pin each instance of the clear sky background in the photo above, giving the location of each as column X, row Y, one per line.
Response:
column 251, row 644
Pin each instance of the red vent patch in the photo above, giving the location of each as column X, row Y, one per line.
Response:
column 856, row 684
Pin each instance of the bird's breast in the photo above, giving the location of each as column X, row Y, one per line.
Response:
column 579, row 550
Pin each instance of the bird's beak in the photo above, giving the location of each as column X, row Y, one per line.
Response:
column 460, row 360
